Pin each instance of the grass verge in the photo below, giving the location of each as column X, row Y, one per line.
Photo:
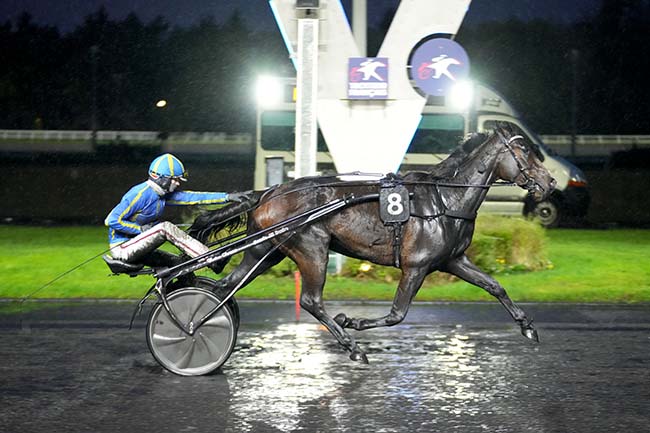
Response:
column 586, row 266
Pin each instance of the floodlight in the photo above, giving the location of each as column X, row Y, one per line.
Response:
column 268, row 91
column 461, row 95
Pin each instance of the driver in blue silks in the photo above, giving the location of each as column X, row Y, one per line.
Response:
column 134, row 232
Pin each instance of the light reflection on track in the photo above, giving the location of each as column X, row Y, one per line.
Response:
column 431, row 378
column 447, row 368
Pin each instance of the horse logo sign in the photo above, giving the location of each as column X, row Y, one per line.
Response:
column 437, row 64
column 368, row 78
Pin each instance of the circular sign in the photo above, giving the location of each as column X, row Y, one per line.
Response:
column 438, row 64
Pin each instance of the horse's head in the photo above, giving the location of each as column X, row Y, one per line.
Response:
column 520, row 161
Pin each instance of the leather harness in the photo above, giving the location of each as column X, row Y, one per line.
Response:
column 396, row 208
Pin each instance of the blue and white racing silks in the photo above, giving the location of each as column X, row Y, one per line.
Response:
column 145, row 203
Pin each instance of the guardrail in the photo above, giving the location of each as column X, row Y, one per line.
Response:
column 595, row 145
column 209, row 142
column 12, row 140
column 82, row 141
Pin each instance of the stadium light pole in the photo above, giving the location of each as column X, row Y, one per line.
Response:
column 360, row 24
column 307, row 88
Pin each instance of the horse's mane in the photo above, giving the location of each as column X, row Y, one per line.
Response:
column 447, row 168
column 471, row 143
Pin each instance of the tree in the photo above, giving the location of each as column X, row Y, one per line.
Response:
column 207, row 71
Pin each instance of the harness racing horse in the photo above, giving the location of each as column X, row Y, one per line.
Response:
column 433, row 238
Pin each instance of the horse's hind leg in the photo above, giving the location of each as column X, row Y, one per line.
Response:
column 463, row 268
column 409, row 285
column 251, row 258
column 313, row 269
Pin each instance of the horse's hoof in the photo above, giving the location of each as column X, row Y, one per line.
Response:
column 530, row 333
column 359, row 356
column 342, row 320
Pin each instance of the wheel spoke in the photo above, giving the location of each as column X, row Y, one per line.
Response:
column 163, row 340
column 213, row 349
column 197, row 306
column 218, row 321
column 185, row 359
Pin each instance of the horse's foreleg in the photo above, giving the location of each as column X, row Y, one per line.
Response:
column 409, row 285
column 463, row 268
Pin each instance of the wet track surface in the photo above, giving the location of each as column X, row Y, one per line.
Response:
column 449, row 367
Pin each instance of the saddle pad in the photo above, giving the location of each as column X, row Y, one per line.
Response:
column 394, row 204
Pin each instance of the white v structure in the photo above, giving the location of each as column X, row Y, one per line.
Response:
column 370, row 136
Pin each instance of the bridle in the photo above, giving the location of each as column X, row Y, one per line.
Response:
column 524, row 168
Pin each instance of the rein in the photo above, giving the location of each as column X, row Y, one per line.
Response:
column 360, row 184
column 366, row 183
column 507, row 142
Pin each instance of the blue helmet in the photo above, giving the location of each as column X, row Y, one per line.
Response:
column 167, row 165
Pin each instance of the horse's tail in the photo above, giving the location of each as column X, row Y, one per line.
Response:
column 209, row 224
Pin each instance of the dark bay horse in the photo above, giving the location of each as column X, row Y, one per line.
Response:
column 434, row 238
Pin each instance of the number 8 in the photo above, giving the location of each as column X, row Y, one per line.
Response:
column 395, row 206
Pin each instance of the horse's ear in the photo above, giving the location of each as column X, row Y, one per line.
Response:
column 472, row 141
column 505, row 127
column 498, row 132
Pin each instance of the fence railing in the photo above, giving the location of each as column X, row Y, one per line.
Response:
column 12, row 140
column 595, row 145
column 82, row 141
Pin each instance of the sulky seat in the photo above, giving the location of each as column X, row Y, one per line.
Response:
column 120, row 267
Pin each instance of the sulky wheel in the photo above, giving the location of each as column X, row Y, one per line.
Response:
column 191, row 355
column 210, row 284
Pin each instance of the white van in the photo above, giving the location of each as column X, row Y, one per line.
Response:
column 439, row 132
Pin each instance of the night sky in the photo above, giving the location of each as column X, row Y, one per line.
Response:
column 67, row 14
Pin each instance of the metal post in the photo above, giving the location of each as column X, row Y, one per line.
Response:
column 307, row 96
column 360, row 24
column 274, row 170
column 298, row 285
